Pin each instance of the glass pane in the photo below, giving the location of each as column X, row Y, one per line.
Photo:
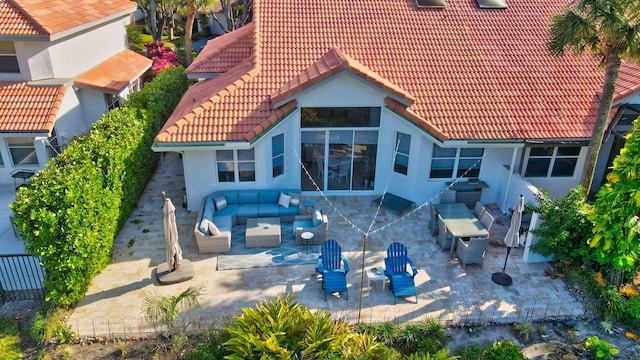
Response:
column 439, row 152
column 564, row 167
column 404, row 143
column 312, row 153
column 277, row 145
column 7, row 48
column 278, row 166
column 537, row 167
column 9, row 64
column 340, row 117
column 568, row 151
column 402, row 164
column 541, row 151
column 441, row 168
column 471, row 152
column 464, row 164
column 24, row 156
column 364, row 160
column 339, row 163
column 244, row 155
column 246, row 171
column 224, row 155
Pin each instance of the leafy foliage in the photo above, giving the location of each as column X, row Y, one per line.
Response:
column 9, row 339
column 283, row 329
column 564, row 228
column 49, row 326
column 162, row 56
column 615, row 213
column 500, row 350
column 75, row 207
column 600, row 348
column 166, row 311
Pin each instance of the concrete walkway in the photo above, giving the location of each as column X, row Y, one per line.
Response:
column 114, row 303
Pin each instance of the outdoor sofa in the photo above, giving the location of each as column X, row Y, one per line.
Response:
column 222, row 210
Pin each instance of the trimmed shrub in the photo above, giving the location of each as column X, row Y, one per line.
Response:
column 74, row 209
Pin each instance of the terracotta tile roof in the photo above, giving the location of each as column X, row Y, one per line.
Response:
column 224, row 52
column 332, row 63
column 475, row 74
column 26, row 108
column 114, row 74
column 48, row 17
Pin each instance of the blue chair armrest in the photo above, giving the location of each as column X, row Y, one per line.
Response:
column 346, row 264
column 414, row 270
column 320, row 268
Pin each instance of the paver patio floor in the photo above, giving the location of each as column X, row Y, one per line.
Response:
column 114, row 303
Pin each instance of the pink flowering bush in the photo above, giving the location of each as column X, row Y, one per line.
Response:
column 162, row 56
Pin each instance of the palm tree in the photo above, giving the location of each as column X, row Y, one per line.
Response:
column 610, row 31
column 191, row 8
column 166, row 309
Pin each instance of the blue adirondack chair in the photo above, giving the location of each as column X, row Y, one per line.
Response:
column 402, row 282
column 333, row 267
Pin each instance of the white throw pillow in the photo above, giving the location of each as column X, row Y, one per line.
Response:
column 204, row 226
column 221, row 202
column 284, row 200
column 317, row 218
column 295, row 199
column 213, row 229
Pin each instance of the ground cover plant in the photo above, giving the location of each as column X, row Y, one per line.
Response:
column 9, row 339
column 75, row 207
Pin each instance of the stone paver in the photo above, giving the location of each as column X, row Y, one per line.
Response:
column 114, row 303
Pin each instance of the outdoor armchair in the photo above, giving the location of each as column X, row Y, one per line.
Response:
column 333, row 268
column 444, row 238
column 396, row 263
column 317, row 224
column 472, row 251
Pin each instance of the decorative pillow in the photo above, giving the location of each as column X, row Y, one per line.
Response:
column 204, row 226
column 221, row 202
column 317, row 218
column 295, row 199
column 213, row 229
column 284, row 200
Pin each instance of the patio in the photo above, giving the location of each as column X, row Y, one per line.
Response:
column 114, row 303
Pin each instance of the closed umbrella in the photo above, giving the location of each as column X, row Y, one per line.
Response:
column 511, row 240
column 174, row 252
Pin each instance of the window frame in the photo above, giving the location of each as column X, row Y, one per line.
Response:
column 237, row 162
column 277, row 169
column 553, row 158
column 112, row 101
column 21, row 143
column 456, row 170
column 400, row 152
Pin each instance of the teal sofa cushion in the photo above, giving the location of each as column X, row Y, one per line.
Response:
column 230, row 210
column 268, row 210
column 248, row 197
column 247, row 210
column 269, row 196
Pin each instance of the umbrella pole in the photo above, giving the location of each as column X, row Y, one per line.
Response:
column 501, row 278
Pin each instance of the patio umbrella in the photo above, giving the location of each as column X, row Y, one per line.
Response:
column 511, row 240
column 174, row 252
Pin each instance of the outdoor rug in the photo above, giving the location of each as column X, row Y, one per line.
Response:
column 286, row 255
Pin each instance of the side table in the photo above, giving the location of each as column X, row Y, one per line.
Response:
column 309, row 207
column 377, row 276
column 307, row 238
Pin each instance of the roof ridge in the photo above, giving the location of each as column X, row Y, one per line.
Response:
column 30, row 17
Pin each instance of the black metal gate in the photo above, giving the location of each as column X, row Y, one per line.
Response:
column 21, row 278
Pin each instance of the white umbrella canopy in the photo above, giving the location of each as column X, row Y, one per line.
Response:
column 512, row 239
column 174, row 252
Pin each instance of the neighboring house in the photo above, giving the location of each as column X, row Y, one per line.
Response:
column 63, row 64
column 389, row 95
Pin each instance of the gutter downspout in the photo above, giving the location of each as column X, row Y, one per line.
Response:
column 511, row 170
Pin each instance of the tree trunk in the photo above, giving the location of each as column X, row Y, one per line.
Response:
column 188, row 32
column 612, row 65
column 154, row 21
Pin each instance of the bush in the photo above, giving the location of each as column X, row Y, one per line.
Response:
column 9, row 339
column 500, row 350
column 48, row 327
column 75, row 207
column 425, row 337
column 135, row 38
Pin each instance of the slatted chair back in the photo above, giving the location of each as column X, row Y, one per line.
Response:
column 478, row 209
column 331, row 253
column 397, row 258
column 487, row 220
column 444, row 238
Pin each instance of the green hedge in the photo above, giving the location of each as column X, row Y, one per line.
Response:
column 74, row 209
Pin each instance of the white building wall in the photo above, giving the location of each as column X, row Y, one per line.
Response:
column 72, row 118
column 75, row 55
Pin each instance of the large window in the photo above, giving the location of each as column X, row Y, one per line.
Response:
column 463, row 162
column 331, row 117
column 236, row 164
column 277, row 155
column 8, row 58
column 401, row 162
column 23, row 151
column 551, row 161
column 112, row 101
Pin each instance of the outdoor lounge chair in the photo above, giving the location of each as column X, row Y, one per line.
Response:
column 402, row 282
column 333, row 267
column 487, row 220
column 444, row 238
column 472, row 251
column 317, row 224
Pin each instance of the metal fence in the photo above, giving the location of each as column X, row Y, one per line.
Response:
column 21, row 278
column 462, row 316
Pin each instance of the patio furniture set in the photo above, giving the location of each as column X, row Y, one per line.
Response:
column 262, row 211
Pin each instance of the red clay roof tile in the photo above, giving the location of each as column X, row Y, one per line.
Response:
column 115, row 73
column 27, row 108
column 475, row 74
column 224, row 52
column 48, row 17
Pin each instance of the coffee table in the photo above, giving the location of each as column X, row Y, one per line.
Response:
column 263, row 232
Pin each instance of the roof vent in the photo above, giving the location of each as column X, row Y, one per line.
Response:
column 492, row 4
column 431, row 4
